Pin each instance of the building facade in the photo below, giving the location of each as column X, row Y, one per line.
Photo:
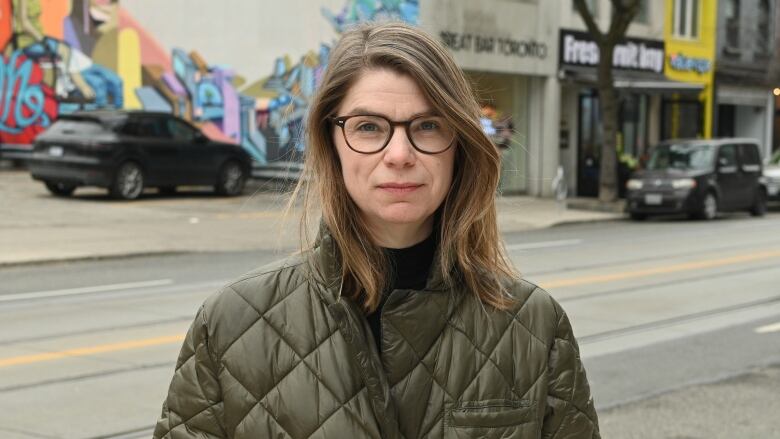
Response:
column 638, row 71
column 744, row 103
column 690, row 33
column 508, row 49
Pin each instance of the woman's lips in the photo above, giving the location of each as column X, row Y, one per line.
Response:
column 399, row 188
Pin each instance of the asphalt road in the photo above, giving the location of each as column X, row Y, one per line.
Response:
column 678, row 323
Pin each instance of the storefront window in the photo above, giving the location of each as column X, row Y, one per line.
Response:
column 682, row 118
column 631, row 137
column 503, row 100
column 633, row 124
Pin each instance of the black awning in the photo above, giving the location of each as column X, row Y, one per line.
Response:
column 634, row 81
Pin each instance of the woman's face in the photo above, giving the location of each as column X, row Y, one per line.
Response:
column 397, row 189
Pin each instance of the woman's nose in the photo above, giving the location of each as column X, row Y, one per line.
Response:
column 399, row 151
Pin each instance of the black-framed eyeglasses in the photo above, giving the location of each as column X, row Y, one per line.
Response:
column 370, row 133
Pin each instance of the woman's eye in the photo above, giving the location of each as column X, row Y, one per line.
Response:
column 428, row 125
column 368, row 127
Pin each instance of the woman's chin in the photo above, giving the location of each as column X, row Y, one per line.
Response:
column 402, row 215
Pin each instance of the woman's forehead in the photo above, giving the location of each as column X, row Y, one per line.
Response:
column 384, row 92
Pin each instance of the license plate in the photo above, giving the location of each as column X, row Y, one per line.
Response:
column 55, row 151
column 654, row 199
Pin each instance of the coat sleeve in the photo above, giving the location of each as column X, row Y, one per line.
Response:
column 193, row 407
column 570, row 413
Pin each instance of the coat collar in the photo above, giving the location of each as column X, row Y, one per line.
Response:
column 326, row 264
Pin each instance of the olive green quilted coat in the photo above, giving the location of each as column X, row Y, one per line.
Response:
column 278, row 354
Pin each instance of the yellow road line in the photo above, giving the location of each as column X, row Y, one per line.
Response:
column 81, row 352
column 676, row 268
column 768, row 328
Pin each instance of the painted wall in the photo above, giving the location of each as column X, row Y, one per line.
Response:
column 63, row 55
column 693, row 60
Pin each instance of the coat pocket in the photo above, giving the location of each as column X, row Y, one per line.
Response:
column 499, row 418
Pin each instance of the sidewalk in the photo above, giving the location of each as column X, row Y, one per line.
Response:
column 37, row 227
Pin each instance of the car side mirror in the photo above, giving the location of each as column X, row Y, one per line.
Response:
column 722, row 162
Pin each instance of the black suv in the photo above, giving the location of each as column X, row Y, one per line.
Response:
column 700, row 178
column 126, row 151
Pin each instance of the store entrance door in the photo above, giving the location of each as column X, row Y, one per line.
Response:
column 589, row 139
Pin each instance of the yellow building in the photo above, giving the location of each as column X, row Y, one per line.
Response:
column 690, row 35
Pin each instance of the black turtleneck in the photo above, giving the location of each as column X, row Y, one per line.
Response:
column 410, row 272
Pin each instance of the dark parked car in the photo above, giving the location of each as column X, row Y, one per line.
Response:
column 772, row 177
column 700, row 178
column 126, row 151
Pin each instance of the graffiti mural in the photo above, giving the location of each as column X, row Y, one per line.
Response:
column 61, row 56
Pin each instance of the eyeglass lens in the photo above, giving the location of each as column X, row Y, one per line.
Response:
column 371, row 133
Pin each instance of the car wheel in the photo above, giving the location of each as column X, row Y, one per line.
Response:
column 638, row 216
column 60, row 189
column 709, row 208
column 128, row 182
column 231, row 179
column 759, row 205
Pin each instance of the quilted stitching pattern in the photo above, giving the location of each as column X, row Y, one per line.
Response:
column 266, row 357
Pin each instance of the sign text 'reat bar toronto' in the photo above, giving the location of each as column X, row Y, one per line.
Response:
column 493, row 45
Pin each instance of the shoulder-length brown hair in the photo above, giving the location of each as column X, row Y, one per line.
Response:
column 470, row 248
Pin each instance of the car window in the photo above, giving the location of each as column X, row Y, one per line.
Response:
column 748, row 154
column 180, row 131
column 728, row 155
column 681, row 156
column 145, row 127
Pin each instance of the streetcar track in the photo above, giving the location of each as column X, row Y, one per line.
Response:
column 133, row 293
column 663, row 323
column 624, row 262
column 88, row 376
column 28, row 433
column 134, row 433
column 675, row 281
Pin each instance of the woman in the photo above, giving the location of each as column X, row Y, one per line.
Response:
column 405, row 319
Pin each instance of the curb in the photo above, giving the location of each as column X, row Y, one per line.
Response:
column 66, row 259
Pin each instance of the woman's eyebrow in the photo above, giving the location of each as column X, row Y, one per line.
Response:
column 362, row 111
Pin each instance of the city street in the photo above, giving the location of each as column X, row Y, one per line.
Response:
column 150, row 151
column 678, row 324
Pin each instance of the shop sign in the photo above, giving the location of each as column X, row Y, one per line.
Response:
column 484, row 44
column 580, row 50
column 684, row 63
